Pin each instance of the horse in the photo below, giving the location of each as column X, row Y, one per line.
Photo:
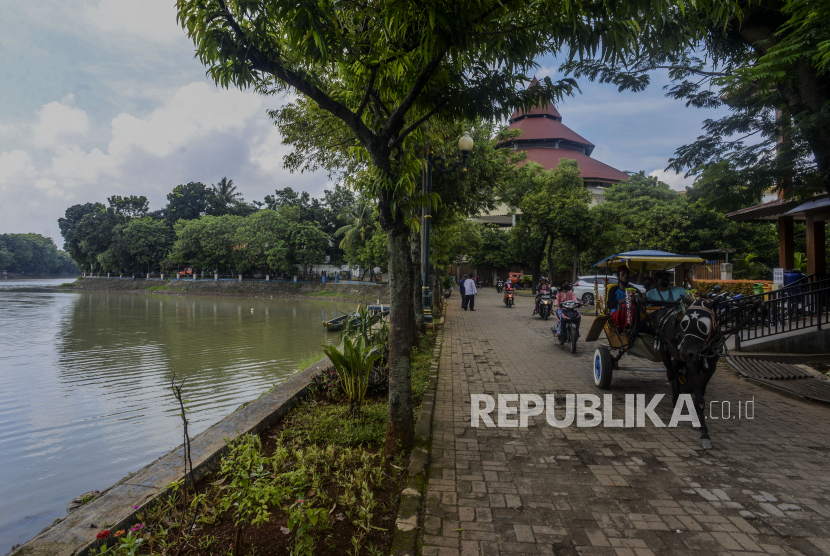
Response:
column 692, row 343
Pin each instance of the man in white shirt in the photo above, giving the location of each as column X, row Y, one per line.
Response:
column 469, row 294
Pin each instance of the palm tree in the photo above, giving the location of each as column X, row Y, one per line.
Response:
column 360, row 222
column 226, row 191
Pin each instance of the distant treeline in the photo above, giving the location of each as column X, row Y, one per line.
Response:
column 206, row 228
column 33, row 254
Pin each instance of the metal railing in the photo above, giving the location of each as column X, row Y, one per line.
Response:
column 799, row 306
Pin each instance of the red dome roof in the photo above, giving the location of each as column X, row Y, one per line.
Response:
column 589, row 168
column 547, row 110
column 546, row 128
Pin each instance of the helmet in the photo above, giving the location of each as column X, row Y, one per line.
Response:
column 543, row 279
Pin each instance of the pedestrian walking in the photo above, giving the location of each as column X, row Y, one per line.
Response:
column 461, row 291
column 470, row 294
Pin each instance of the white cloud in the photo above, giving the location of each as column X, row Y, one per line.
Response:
column 678, row 182
column 195, row 109
column 57, row 120
column 14, row 164
column 153, row 20
column 73, row 166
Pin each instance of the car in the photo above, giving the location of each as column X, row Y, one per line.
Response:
column 584, row 287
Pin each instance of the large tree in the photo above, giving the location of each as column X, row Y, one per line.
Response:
column 381, row 70
column 766, row 62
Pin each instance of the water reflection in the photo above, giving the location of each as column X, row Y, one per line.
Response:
column 84, row 377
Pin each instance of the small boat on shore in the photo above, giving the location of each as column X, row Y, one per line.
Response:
column 336, row 324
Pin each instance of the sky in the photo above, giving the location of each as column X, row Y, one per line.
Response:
column 105, row 97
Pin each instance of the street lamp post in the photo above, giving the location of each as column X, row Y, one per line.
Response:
column 438, row 164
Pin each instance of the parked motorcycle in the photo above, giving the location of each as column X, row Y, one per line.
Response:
column 508, row 298
column 499, row 286
column 545, row 305
column 570, row 323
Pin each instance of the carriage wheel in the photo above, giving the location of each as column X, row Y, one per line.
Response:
column 603, row 367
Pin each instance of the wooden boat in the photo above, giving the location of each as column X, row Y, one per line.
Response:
column 335, row 324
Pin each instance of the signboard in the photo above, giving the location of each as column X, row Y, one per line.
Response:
column 778, row 276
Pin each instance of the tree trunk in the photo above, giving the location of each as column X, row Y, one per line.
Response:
column 537, row 262
column 550, row 261
column 400, row 424
column 417, row 323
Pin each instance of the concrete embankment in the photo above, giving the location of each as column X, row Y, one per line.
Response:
column 365, row 293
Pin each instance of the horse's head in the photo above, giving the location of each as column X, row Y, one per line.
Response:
column 698, row 327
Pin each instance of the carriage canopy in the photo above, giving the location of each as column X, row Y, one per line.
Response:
column 643, row 260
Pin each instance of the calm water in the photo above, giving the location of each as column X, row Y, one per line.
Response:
column 84, row 379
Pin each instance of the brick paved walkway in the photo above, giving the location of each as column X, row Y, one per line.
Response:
column 764, row 488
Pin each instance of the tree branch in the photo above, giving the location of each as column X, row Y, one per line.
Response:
column 690, row 70
column 396, row 118
column 262, row 63
column 407, row 130
column 368, row 94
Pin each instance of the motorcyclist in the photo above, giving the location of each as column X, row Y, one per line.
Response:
column 542, row 287
column 565, row 294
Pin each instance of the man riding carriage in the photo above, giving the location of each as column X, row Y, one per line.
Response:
column 667, row 324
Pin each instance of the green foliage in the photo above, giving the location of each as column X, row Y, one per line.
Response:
column 353, row 367
column 249, row 491
column 800, row 262
column 454, row 238
column 189, row 202
column 369, row 326
column 644, row 213
column 766, row 61
column 33, row 254
column 337, row 424
column 493, row 248
column 303, row 520
column 421, row 363
column 748, row 267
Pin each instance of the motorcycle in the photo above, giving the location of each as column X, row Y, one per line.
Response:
column 545, row 305
column 508, row 298
column 570, row 323
column 499, row 286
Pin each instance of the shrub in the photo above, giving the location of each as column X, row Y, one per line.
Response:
column 744, row 287
column 353, row 366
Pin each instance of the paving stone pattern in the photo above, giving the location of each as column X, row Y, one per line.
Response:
column 763, row 488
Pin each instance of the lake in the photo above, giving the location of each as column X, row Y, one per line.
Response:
column 85, row 382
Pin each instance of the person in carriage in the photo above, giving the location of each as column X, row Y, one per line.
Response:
column 617, row 298
column 664, row 291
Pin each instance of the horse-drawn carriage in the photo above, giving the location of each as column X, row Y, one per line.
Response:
column 642, row 341
column 685, row 334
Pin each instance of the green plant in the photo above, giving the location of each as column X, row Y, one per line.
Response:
column 129, row 545
column 206, row 542
column 302, row 521
column 747, row 267
column 800, row 262
column 367, row 325
column 250, row 492
column 353, row 367
column 446, row 283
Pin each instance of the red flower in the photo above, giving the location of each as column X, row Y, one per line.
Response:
column 103, row 534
